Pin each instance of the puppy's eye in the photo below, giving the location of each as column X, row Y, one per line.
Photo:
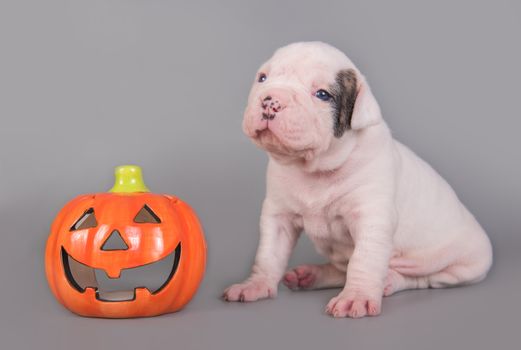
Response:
column 323, row 95
column 262, row 78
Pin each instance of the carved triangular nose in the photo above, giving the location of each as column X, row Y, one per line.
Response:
column 114, row 242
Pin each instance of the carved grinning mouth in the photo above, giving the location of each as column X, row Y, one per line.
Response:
column 153, row 277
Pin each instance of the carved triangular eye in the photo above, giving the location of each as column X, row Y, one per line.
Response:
column 146, row 215
column 87, row 220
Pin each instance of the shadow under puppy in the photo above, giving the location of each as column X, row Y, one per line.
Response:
column 383, row 217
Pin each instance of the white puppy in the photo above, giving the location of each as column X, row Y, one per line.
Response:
column 382, row 216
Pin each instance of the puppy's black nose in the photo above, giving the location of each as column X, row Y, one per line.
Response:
column 270, row 107
column 268, row 116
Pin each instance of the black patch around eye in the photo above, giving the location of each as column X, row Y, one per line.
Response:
column 87, row 220
column 344, row 92
column 147, row 215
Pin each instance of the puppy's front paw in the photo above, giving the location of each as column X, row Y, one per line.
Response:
column 250, row 290
column 354, row 304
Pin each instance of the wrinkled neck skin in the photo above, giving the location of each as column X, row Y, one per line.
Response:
column 355, row 146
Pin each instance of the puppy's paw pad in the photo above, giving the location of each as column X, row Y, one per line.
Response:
column 301, row 277
column 249, row 291
column 353, row 305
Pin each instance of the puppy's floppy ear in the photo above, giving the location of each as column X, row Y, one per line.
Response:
column 366, row 111
column 355, row 106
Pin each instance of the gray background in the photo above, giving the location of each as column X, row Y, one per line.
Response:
column 88, row 85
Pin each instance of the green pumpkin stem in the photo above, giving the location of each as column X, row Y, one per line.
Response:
column 129, row 179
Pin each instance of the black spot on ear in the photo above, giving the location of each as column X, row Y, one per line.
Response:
column 344, row 95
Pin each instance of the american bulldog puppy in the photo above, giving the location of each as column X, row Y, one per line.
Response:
column 382, row 216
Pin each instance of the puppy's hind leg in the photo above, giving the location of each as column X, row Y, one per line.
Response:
column 396, row 282
column 451, row 270
column 314, row 277
column 452, row 276
column 459, row 275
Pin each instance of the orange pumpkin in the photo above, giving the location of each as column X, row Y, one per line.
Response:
column 126, row 229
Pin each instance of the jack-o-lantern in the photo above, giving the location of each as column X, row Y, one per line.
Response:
column 124, row 231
